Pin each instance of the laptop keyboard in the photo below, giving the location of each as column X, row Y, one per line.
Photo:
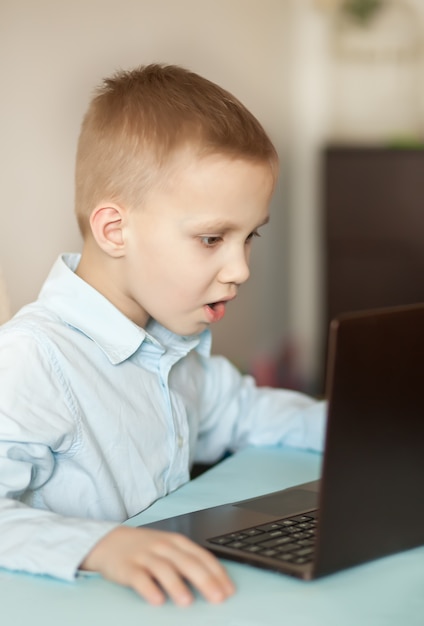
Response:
column 291, row 539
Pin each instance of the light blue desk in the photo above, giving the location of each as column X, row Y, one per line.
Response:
column 388, row 592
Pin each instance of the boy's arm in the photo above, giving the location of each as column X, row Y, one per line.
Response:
column 238, row 414
column 34, row 426
column 153, row 563
column 42, row 542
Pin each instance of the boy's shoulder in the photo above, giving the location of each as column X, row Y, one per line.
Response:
column 33, row 326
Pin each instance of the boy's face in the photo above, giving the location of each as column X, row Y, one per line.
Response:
column 188, row 247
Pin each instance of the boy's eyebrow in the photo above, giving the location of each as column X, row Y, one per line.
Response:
column 221, row 225
column 265, row 221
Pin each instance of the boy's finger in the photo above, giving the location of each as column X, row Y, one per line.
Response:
column 170, row 580
column 208, row 560
column 145, row 586
column 200, row 568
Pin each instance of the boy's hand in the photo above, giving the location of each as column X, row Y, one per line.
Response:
column 156, row 563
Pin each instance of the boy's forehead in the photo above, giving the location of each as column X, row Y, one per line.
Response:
column 191, row 158
column 207, row 185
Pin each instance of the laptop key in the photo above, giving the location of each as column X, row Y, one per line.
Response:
column 253, row 531
column 268, row 527
column 302, row 518
column 288, row 547
column 306, row 542
column 305, row 551
column 269, row 552
column 222, row 541
column 236, row 544
column 252, row 549
column 285, row 556
column 279, row 541
column 263, row 537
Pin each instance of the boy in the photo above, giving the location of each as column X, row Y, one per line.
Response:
column 108, row 392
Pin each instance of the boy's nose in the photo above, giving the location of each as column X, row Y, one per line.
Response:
column 236, row 269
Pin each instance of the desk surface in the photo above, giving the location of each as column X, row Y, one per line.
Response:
column 387, row 592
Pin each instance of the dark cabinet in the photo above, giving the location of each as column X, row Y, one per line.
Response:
column 373, row 228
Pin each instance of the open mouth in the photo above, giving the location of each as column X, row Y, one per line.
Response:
column 215, row 311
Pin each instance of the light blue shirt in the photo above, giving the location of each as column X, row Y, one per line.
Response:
column 99, row 418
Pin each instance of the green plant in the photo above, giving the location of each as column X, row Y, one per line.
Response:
column 361, row 11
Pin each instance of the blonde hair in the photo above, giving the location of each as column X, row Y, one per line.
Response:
column 138, row 119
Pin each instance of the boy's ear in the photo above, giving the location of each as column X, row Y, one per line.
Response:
column 106, row 223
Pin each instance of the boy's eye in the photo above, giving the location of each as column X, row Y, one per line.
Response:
column 210, row 240
column 253, row 234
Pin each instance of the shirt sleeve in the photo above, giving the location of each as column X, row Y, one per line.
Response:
column 34, row 425
column 237, row 414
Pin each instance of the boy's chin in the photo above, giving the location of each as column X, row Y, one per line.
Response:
column 188, row 330
column 194, row 332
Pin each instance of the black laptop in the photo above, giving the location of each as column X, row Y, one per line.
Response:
column 370, row 500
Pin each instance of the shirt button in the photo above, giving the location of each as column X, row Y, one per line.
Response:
column 180, row 441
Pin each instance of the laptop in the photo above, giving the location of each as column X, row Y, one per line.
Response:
column 369, row 501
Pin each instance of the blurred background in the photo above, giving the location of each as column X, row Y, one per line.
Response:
column 338, row 86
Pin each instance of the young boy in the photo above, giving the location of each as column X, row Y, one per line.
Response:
column 108, row 392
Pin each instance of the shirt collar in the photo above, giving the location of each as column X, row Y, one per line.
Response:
column 84, row 308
